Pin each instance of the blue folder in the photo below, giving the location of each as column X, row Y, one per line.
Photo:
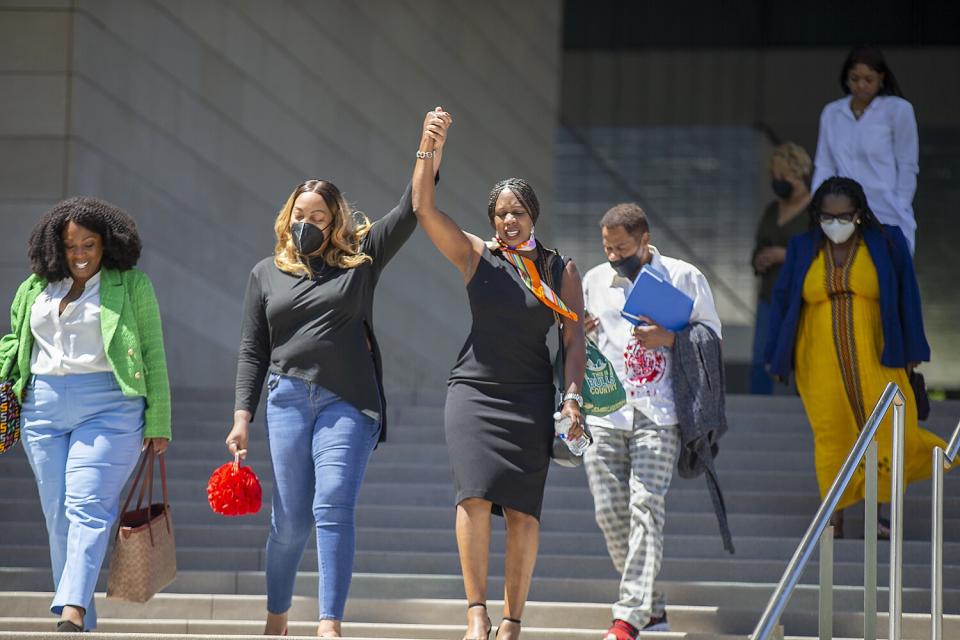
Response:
column 654, row 297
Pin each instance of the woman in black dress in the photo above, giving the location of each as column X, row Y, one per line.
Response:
column 500, row 400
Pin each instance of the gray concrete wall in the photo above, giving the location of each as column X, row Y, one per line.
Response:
column 783, row 88
column 34, row 94
column 200, row 117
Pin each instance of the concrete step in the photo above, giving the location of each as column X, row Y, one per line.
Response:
column 737, row 595
column 733, row 478
column 204, row 440
column 771, row 482
column 429, row 403
column 720, row 569
column 426, row 517
column 181, row 608
column 250, row 628
column 684, row 496
column 401, row 610
column 442, row 518
column 253, row 536
column 180, row 456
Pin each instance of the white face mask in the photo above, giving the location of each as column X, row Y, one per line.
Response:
column 839, row 231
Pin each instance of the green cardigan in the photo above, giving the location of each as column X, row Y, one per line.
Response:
column 133, row 340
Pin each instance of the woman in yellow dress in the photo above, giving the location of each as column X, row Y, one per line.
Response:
column 848, row 319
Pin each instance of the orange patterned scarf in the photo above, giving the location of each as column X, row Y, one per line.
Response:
column 528, row 273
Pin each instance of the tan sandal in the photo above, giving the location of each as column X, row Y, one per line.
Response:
column 515, row 621
column 489, row 626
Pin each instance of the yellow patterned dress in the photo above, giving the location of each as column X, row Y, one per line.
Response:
column 840, row 377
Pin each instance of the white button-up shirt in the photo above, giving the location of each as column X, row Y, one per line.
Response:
column 71, row 342
column 645, row 373
column 880, row 151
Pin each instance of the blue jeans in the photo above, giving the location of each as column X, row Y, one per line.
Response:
column 760, row 382
column 82, row 437
column 320, row 446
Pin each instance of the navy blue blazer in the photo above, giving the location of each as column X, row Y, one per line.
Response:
column 903, row 337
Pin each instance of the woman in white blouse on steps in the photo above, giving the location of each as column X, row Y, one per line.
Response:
column 870, row 135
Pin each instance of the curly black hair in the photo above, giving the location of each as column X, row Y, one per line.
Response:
column 121, row 242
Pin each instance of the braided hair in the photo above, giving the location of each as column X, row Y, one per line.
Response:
column 118, row 231
column 849, row 188
column 524, row 192
column 520, row 188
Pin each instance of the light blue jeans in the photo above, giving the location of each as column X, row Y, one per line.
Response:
column 82, row 437
column 320, row 446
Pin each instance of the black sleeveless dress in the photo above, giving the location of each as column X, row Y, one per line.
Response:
column 498, row 417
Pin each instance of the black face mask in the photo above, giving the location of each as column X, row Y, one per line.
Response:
column 627, row 267
column 782, row 188
column 307, row 238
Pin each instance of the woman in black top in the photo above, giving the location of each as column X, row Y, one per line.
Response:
column 500, row 401
column 790, row 169
column 307, row 322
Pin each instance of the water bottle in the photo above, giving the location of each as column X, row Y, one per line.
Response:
column 561, row 424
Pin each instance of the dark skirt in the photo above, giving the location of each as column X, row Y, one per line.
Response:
column 499, row 437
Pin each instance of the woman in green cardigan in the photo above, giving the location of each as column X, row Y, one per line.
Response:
column 85, row 355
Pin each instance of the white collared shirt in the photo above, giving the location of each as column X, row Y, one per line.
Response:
column 880, row 151
column 645, row 373
column 71, row 342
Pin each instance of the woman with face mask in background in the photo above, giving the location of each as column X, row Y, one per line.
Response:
column 846, row 318
column 783, row 218
column 870, row 135
column 307, row 328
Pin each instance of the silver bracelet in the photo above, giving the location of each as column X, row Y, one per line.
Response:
column 573, row 396
column 425, row 154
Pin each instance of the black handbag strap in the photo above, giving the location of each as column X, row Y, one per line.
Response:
column 557, row 276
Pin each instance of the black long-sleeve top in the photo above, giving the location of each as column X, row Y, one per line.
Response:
column 317, row 329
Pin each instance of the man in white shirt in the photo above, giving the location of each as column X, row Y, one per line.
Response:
column 631, row 464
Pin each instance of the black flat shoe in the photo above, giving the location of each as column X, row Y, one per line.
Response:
column 65, row 626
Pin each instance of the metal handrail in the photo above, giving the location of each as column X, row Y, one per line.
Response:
column 892, row 396
column 953, row 447
column 941, row 459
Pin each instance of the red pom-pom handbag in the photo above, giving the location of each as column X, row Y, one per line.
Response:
column 234, row 490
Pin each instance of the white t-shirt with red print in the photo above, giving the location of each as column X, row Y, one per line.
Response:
column 645, row 373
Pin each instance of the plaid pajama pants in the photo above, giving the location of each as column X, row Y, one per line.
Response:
column 629, row 474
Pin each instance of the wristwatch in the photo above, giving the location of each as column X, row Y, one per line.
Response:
column 573, row 396
column 425, row 154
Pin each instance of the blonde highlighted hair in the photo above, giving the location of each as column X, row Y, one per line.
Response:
column 793, row 159
column 342, row 249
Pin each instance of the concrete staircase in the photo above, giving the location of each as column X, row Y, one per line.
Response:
column 407, row 582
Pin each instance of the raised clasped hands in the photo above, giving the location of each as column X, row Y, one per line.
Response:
column 652, row 336
column 435, row 126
